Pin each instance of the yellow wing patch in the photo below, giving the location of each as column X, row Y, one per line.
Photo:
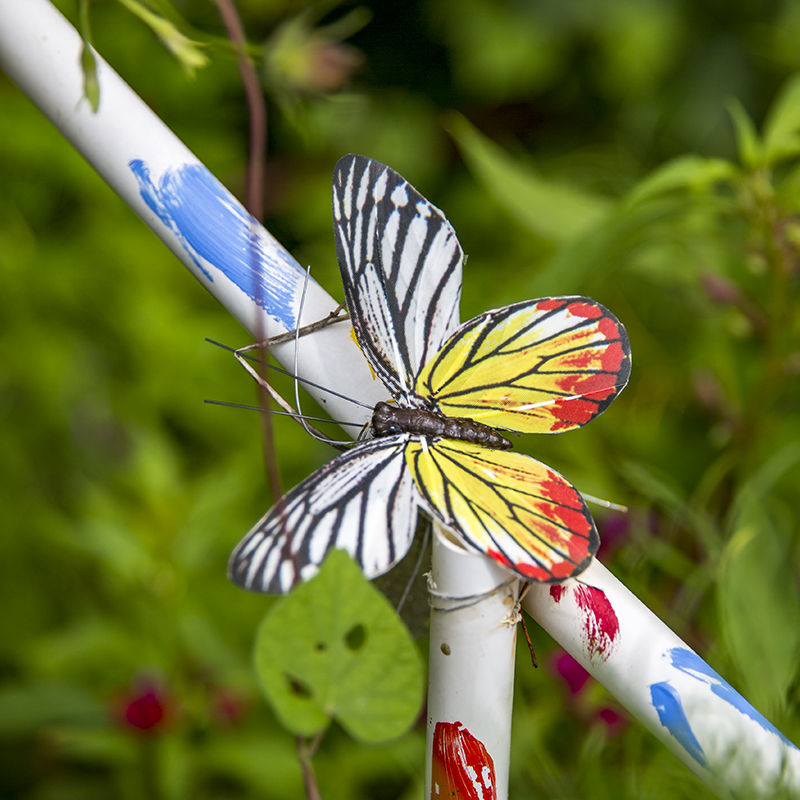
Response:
column 518, row 511
column 537, row 367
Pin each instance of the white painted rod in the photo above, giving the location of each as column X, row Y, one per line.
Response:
column 229, row 252
column 664, row 684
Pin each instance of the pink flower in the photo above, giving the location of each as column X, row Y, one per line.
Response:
column 573, row 674
column 614, row 721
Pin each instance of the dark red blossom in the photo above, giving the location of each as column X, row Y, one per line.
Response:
column 572, row 673
column 144, row 708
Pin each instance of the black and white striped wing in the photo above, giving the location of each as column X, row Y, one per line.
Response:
column 364, row 502
column 401, row 268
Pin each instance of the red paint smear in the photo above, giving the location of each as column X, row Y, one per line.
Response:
column 557, row 592
column 573, row 520
column 462, row 769
column 600, row 625
column 582, row 360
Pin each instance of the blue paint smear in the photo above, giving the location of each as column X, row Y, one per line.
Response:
column 691, row 664
column 214, row 229
column 667, row 703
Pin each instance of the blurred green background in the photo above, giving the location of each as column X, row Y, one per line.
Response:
column 579, row 146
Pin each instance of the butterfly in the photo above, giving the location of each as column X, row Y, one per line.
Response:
column 540, row 366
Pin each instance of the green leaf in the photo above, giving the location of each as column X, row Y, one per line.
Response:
column 665, row 493
column 758, row 599
column 685, row 172
column 747, row 141
column 555, row 211
column 759, row 611
column 782, row 126
column 334, row 648
column 188, row 52
column 91, row 86
column 26, row 709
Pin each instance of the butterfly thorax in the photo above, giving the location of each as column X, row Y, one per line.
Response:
column 389, row 420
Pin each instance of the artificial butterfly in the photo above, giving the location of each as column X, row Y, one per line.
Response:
column 540, row 366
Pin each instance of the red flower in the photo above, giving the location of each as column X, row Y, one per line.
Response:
column 614, row 721
column 144, row 710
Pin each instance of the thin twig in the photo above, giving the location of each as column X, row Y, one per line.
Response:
column 305, row 752
column 254, row 200
column 256, row 108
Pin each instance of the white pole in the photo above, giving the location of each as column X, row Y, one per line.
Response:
column 231, row 254
column 474, row 615
column 667, row 686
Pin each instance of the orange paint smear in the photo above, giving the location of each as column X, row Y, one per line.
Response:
column 462, row 768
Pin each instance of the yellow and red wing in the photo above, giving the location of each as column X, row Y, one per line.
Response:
column 507, row 505
column 541, row 366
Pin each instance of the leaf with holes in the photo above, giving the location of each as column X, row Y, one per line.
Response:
column 335, row 649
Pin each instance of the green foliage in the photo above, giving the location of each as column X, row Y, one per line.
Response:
column 335, row 649
column 643, row 153
column 756, row 579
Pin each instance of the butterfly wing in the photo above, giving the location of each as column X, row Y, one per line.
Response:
column 364, row 501
column 401, row 268
column 507, row 505
column 540, row 366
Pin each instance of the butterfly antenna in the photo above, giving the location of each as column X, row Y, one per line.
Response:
column 242, row 354
column 291, row 413
column 294, row 415
column 301, row 418
column 287, row 408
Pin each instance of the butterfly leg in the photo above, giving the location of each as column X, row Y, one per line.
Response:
column 339, row 314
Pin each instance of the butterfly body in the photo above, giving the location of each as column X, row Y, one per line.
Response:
column 390, row 420
column 539, row 366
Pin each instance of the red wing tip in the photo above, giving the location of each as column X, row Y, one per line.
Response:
column 555, row 574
